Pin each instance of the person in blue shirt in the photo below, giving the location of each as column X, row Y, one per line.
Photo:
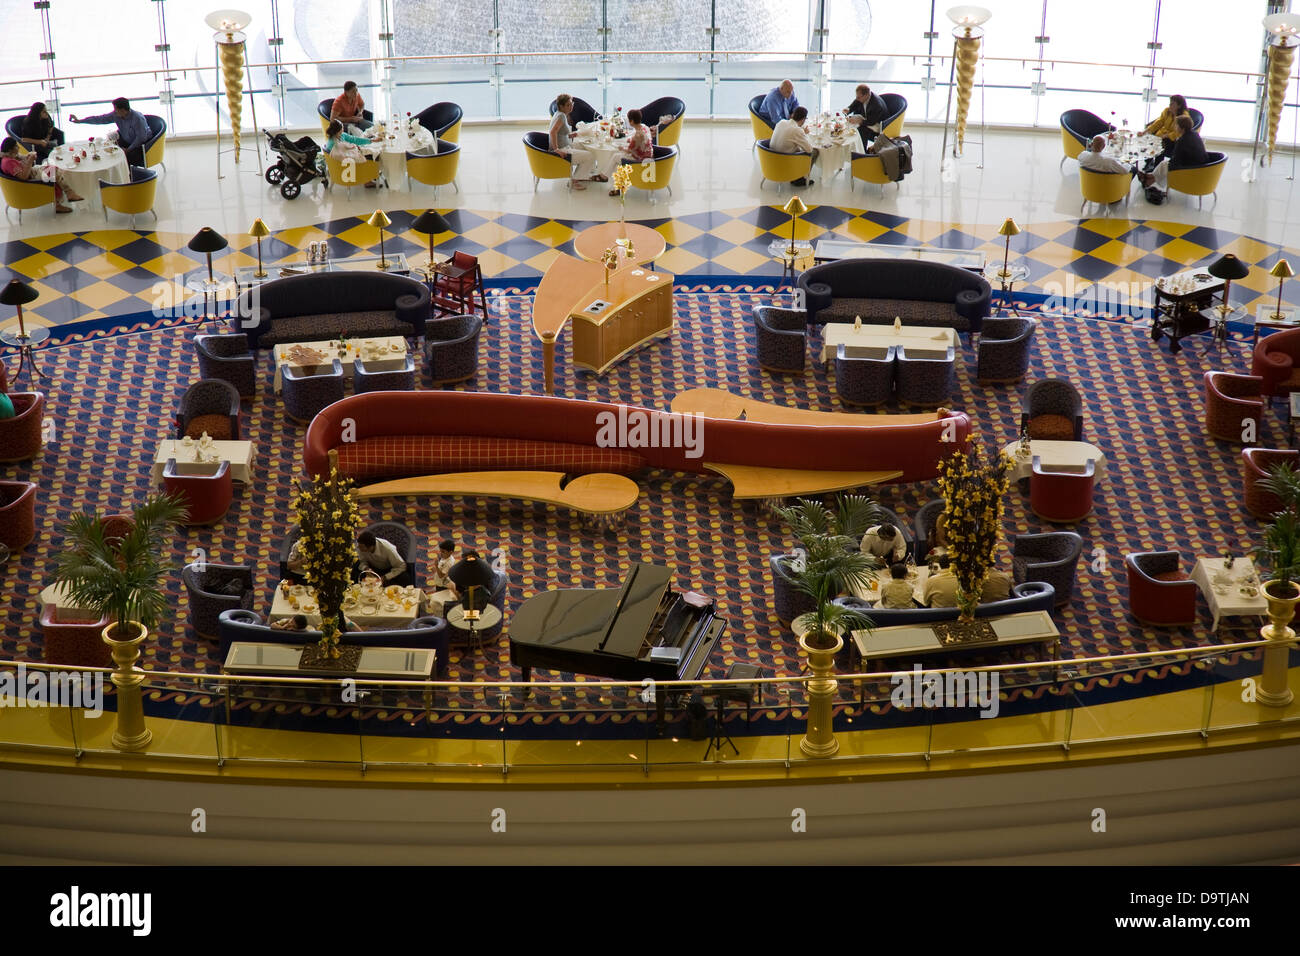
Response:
column 779, row 103
column 132, row 128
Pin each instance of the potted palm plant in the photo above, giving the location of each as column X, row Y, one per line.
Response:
column 828, row 564
column 120, row 577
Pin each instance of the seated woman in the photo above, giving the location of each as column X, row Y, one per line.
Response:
column 583, row 161
column 639, row 145
column 347, row 145
column 38, row 133
column 1166, row 124
column 24, row 167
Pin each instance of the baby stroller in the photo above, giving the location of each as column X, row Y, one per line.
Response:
column 297, row 163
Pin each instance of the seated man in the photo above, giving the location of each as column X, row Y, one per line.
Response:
column 997, row 587
column 132, row 129
column 897, row 592
column 349, row 108
column 1092, row 159
column 379, row 555
column 1188, row 153
column 780, row 103
column 296, row 623
column 884, row 542
column 866, row 112
column 941, row 588
column 24, row 167
column 789, row 137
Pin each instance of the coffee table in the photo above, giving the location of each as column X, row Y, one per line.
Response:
column 1056, row 454
column 918, row 340
column 490, row 616
column 832, row 250
column 25, row 341
column 381, row 618
column 1228, row 600
column 388, row 351
column 282, row 660
column 238, row 453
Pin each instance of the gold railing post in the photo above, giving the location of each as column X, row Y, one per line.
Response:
column 131, row 733
column 819, row 739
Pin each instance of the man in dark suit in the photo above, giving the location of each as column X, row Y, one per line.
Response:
column 870, row 110
column 1188, row 152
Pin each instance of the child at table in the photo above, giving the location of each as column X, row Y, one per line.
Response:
column 897, row 592
column 24, row 167
column 344, row 146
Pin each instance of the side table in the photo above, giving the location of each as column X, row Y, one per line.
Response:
column 474, row 623
column 1015, row 273
column 25, row 342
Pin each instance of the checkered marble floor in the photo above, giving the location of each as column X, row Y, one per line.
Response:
column 99, row 276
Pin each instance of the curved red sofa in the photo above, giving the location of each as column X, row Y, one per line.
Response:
column 381, row 435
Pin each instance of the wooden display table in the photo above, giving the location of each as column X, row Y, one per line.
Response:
column 610, row 321
column 647, row 244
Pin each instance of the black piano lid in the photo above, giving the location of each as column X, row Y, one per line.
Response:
column 638, row 602
column 579, row 619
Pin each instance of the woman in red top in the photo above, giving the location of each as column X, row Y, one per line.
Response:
column 639, row 146
column 24, row 167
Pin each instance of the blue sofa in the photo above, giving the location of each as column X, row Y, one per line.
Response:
column 879, row 290
column 317, row 307
column 424, row 632
column 1029, row 596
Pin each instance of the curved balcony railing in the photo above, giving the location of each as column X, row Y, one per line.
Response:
column 225, row 718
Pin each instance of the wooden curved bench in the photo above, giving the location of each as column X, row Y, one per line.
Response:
column 599, row 496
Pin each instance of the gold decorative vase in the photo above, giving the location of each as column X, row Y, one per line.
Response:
column 131, row 733
column 1273, row 689
column 821, row 648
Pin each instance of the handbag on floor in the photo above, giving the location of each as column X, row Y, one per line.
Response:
column 1155, row 196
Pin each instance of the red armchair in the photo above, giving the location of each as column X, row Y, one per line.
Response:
column 17, row 514
column 1255, row 463
column 1159, row 591
column 1231, row 402
column 207, row 494
column 75, row 643
column 20, row 436
column 1276, row 359
column 1062, row 497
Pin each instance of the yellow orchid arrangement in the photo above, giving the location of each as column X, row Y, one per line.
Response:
column 328, row 516
column 973, row 487
column 622, row 181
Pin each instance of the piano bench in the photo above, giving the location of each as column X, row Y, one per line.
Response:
column 742, row 692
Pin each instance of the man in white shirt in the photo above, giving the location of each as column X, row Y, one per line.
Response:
column 1093, row 160
column 788, row 136
column 379, row 555
column 885, row 542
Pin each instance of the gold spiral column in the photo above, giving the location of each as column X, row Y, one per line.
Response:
column 968, row 37
column 231, row 46
column 1281, row 54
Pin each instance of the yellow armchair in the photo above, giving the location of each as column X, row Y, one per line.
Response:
column 782, row 167
column 654, row 173
column 868, row 168
column 543, row 163
column 1104, row 188
column 435, row 171
column 23, row 194
column 351, row 172
column 757, row 121
column 154, row 147
column 131, row 198
column 1199, row 181
column 897, row 106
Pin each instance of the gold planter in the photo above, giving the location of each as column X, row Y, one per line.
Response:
column 819, row 740
column 131, row 733
column 1273, row 689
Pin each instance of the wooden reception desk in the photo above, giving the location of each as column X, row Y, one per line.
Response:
column 639, row 308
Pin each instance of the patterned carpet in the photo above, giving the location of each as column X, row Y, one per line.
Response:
column 1167, row 486
column 94, row 277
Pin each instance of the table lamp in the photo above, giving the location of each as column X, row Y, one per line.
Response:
column 259, row 231
column 1227, row 268
column 1008, row 229
column 795, row 208
column 379, row 219
column 207, row 240
column 19, row 293
column 1281, row 272
column 472, row 574
column 431, row 224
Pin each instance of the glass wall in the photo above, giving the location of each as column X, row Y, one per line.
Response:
column 508, row 58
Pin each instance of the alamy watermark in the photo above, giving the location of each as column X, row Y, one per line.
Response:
column 1121, row 299
column 933, row 690
column 77, row 909
column 641, row 428
column 174, row 300
column 41, row 688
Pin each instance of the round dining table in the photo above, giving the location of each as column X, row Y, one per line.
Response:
column 390, row 146
column 82, row 171
column 596, row 139
column 834, row 149
column 1132, row 147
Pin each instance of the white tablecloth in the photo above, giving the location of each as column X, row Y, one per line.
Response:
column 607, row 150
column 396, row 142
column 1133, row 149
column 1056, row 454
column 83, row 176
column 834, row 149
column 392, row 609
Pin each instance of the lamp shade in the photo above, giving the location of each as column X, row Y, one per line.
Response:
column 259, row 229
column 1229, row 267
column 430, row 223
column 969, row 16
column 795, row 206
column 207, row 239
column 379, row 219
column 472, row 572
column 1009, row 228
column 18, row 292
column 1283, row 24
column 1282, row 270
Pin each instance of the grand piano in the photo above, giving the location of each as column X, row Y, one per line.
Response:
column 641, row 629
